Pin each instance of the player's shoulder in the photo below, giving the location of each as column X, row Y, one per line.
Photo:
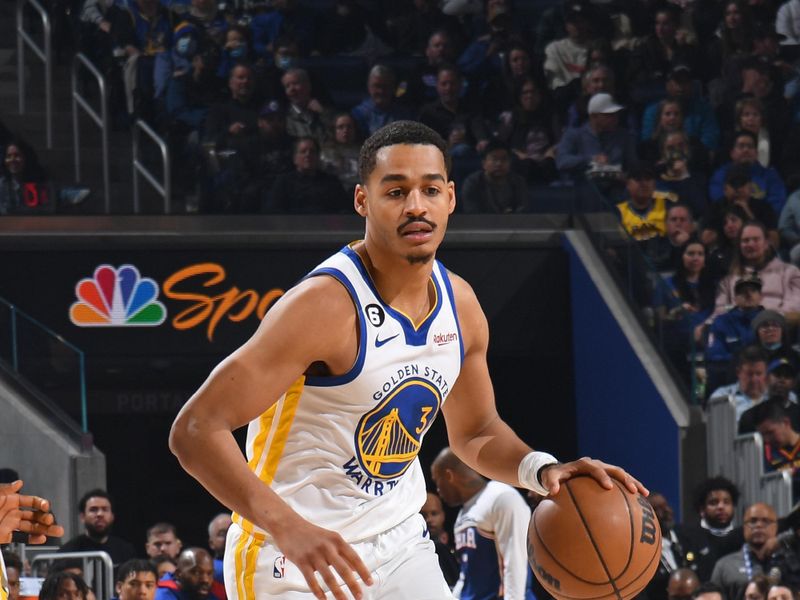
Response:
column 463, row 293
column 316, row 298
column 470, row 314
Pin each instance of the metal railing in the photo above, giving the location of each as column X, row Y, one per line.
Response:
column 44, row 54
column 165, row 189
column 98, row 570
column 101, row 120
column 49, row 359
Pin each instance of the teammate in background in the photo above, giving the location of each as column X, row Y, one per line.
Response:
column 136, row 580
column 28, row 514
column 491, row 530
column 340, row 383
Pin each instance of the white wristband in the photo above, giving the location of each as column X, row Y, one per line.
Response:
column 528, row 471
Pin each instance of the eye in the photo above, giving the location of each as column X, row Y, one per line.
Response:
column 395, row 193
column 432, row 191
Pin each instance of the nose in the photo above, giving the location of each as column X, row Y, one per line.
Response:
column 415, row 205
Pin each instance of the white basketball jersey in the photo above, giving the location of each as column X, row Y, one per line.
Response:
column 342, row 451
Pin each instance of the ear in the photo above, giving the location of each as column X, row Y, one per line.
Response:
column 178, row 543
column 118, row 587
column 451, row 190
column 360, row 200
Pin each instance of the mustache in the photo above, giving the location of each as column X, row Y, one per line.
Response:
column 416, row 220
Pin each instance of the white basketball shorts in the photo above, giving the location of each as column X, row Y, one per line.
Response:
column 402, row 561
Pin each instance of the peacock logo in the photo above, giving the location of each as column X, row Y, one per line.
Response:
column 117, row 297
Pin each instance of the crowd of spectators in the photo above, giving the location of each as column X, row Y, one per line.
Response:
column 574, row 90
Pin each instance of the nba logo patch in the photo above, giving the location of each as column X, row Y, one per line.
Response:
column 278, row 567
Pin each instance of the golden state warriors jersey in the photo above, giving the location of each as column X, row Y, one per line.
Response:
column 649, row 224
column 342, row 451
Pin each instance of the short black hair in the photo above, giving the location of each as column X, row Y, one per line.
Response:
column 50, row 586
column 305, row 138
column 161, row 527
column 493, row 145
column 744, row 133
column 62, row 564
column 135, row 565
column 713, row 484
column 398, row 132
column 95, row 493
column 751, row 354
column 709, row 588
column 770, row 410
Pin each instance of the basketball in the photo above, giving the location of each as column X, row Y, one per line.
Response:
column 590, row 543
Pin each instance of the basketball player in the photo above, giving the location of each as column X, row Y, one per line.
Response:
column 28, row 514
column 340, row 383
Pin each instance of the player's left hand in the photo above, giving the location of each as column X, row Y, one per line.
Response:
column 28, row 514
column 553, row 475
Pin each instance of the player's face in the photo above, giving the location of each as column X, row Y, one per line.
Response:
column 98, row 516
column 138, row 586
column 407, row 200
column 163, row 544
column 718, row 509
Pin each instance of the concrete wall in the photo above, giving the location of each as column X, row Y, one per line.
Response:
column 48, row 461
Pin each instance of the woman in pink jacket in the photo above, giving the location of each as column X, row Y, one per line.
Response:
column 780, row 280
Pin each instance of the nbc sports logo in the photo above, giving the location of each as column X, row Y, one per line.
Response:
column 117, row 298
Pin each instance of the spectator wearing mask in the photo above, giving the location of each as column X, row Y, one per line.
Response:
column 681, row 172
column 495, row 188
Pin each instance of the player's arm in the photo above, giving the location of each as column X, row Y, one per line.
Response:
column 313, row 322
column 478, row 435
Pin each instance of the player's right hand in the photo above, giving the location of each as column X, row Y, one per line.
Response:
column 28, row 514
column 315, row 550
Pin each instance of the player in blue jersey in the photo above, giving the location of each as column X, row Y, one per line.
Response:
column 338, row 386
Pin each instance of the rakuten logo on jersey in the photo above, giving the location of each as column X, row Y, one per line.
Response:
column 440, row 339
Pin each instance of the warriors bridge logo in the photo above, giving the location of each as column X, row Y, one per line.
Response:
column 388, row 438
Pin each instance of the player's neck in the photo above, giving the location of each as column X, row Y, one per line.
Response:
column 401, row 284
